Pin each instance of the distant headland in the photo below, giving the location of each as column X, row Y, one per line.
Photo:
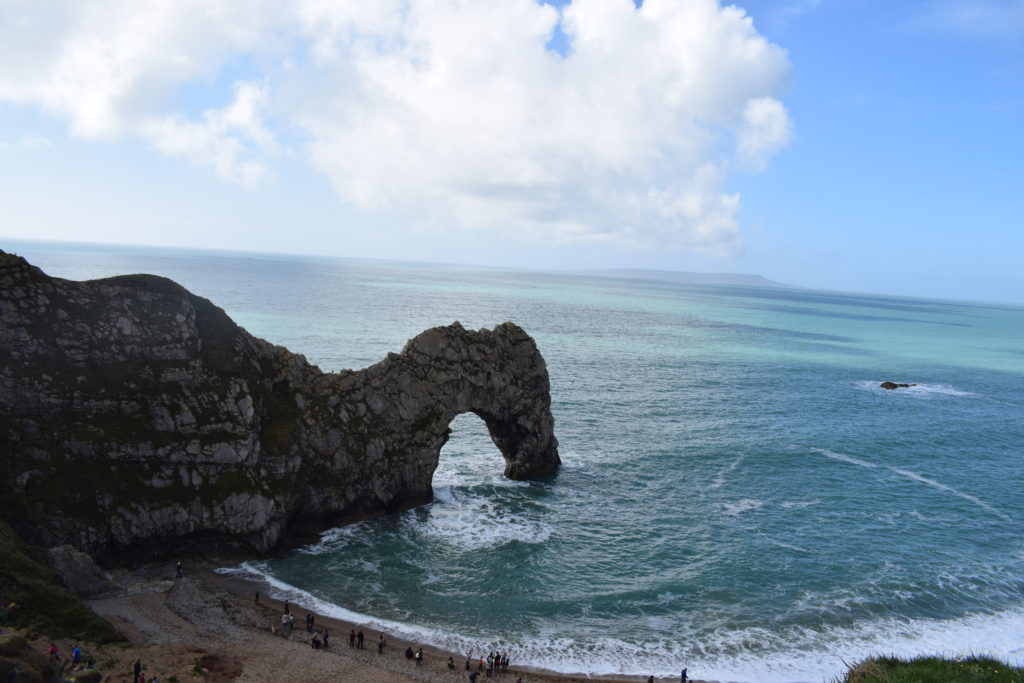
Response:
column 682, row 277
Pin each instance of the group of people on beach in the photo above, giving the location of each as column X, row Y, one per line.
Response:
column 496, row 662
column 492, row 664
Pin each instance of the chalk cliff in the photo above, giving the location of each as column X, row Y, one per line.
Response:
column 137, row 420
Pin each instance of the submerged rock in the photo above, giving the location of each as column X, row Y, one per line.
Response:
column 138, row 420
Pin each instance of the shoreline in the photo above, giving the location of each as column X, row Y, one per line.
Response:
column 434, row 657
column 208, row 626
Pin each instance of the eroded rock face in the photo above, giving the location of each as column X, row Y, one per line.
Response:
column 138, row 418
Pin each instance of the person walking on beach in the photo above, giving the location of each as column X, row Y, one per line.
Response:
column 682, row 675
column 177, row 570
column 381, row 643
column 137, row 670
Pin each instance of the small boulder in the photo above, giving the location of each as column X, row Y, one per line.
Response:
column 80, row 573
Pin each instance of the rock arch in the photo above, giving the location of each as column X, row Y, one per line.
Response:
column 406, row 403
column 183, row 433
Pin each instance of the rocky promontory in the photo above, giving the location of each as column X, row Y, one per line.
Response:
column 138, row 420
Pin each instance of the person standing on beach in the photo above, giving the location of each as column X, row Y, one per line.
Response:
column 352, row 638
column 327, row 636
column 177, row 570
column 137, row 669
column 381, row 643
column 359, row 640
column 682, row 675
column 419, row 657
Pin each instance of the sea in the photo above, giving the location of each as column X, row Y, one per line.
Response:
column 738, row 495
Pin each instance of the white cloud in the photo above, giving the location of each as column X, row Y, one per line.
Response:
column 766, row 129
column 452, row 111
column 231, row 140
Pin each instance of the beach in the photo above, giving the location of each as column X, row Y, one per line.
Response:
column 207, row 626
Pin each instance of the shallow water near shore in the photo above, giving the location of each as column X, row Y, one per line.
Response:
column 738, row 495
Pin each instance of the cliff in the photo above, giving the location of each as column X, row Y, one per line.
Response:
column 138, row 420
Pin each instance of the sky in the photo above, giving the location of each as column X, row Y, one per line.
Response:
column 853, row 145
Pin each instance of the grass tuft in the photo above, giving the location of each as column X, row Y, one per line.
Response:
column 971, row 668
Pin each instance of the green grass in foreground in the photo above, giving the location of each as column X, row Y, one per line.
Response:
column 968, row 669
column 33, row 597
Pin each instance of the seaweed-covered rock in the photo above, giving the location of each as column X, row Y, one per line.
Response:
column 138, row 420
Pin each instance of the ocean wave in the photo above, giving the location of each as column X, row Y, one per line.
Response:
column 794, row 653
column 474, row 522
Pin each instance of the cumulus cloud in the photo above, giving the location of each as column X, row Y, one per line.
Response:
column 455, row 112
column 231, row 140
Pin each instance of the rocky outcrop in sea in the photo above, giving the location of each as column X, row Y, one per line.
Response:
column 137, row 420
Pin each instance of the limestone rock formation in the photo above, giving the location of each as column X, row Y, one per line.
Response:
column 80, row 573
column 138, row 419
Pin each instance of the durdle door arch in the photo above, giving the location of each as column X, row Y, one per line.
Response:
column 184, row 433
column 406, row 404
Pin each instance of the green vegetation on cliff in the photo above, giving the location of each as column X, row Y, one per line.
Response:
column 33, row 597
column 971, row 669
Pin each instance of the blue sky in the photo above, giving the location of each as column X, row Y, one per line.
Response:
column 838, row 144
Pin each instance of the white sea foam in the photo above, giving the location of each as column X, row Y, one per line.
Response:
column 918, row 390
column 916, row 477
column 781, row 544
column 799, row 504
column 724, row 472
column 943, row 487
column 741, row 506
column 750, row 654
column 475, row 522
column 846, row 458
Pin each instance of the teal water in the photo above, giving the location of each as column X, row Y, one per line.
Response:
column 738, row 495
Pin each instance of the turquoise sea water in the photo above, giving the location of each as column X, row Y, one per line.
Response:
column 738, row 495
